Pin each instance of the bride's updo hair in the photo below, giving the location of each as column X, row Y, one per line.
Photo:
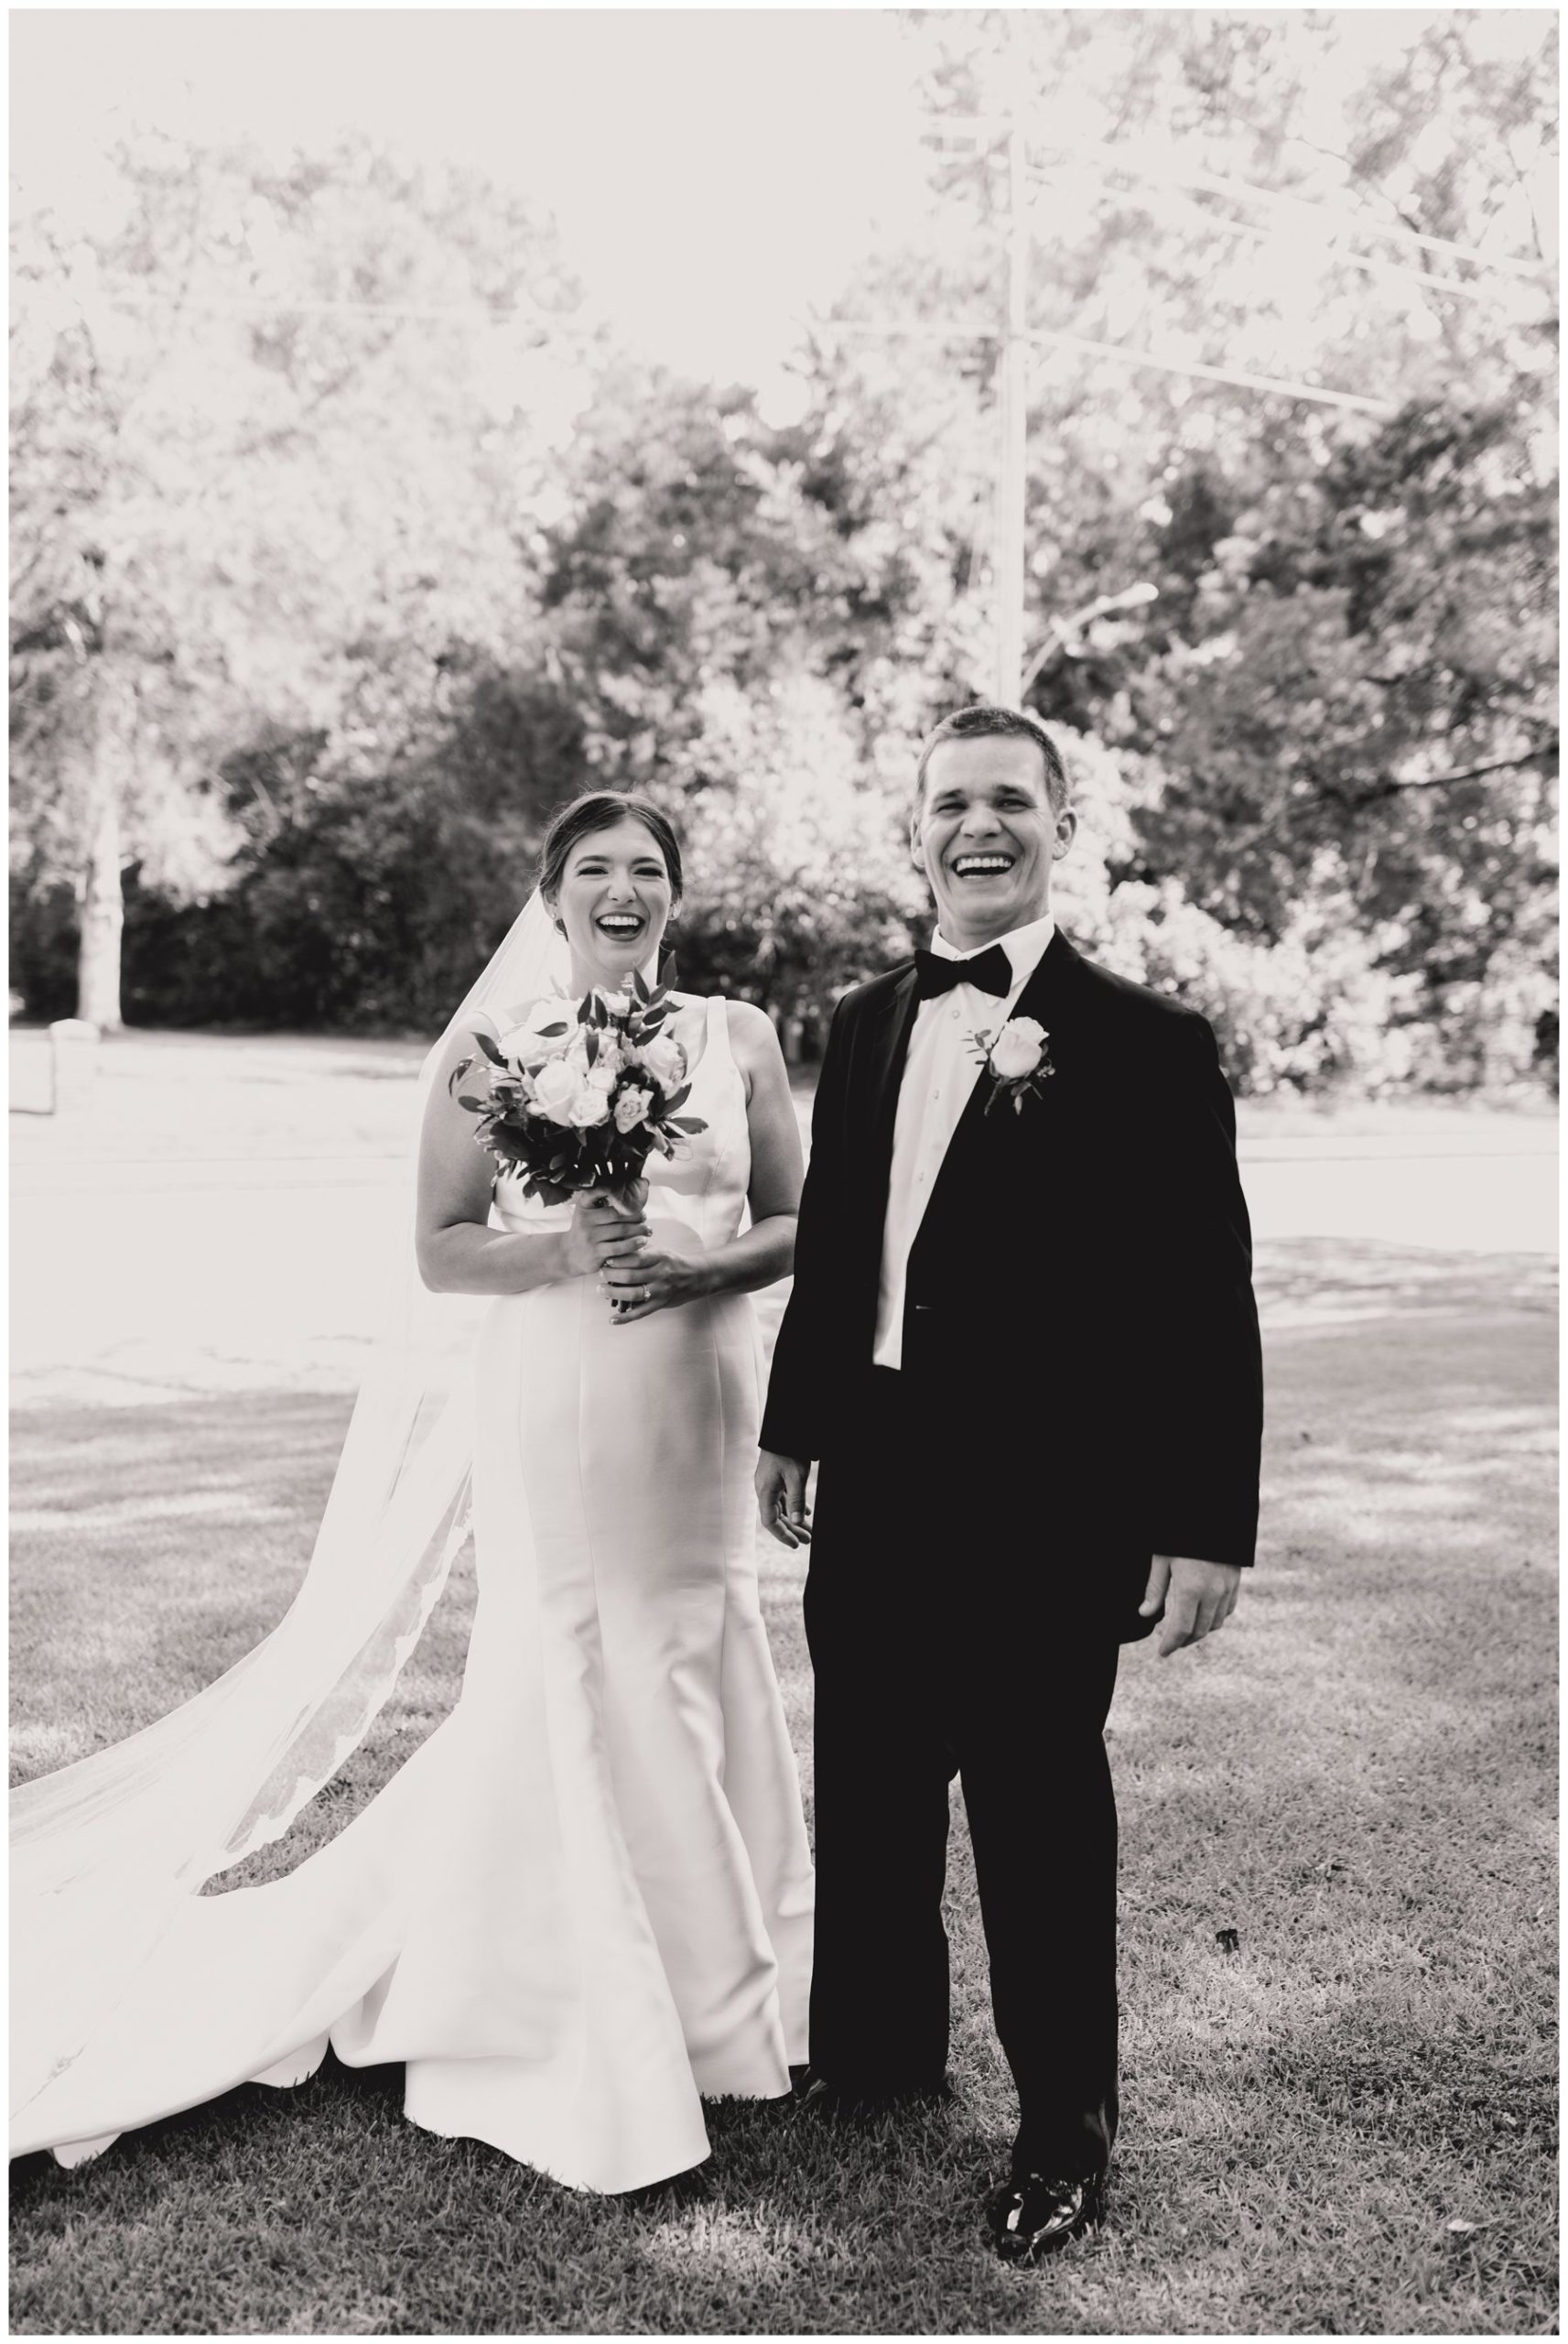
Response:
column 601, row 809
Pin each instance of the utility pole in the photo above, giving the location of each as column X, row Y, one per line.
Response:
column 1012, row 407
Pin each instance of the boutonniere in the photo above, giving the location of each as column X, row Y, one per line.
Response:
column 1018, row 1059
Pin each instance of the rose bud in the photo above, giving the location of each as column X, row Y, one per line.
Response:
column 1018, row 1048
column 630, row 1108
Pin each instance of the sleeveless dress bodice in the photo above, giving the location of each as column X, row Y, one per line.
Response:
column 697, row 1199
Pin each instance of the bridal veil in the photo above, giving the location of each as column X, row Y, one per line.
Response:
column 104, row 1852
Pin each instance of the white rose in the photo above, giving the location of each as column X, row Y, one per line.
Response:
column 590, row 1106
column 557, row 1088
column 528, row 1041
column 1018, row 1048
column 600, row 1076
column 630, row 1108
column 516, row 1045
column 665, row 1061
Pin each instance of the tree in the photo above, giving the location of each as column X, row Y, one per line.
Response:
column 1119, row 111
column 801, row 880
column 1359, row 707
column 737, row 620
column 1334, row 709
column 248, row 485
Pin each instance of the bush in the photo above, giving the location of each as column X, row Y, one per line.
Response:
column 1311, row 1013
column 44, row 932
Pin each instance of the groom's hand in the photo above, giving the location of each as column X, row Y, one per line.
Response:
column 781, row 1498
column 1198, row 1598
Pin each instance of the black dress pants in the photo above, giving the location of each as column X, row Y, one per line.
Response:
column 947, row 1637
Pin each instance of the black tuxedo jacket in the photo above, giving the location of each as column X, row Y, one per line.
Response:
column 1080, row 1282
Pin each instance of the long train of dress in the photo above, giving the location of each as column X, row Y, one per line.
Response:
column 585, row 1902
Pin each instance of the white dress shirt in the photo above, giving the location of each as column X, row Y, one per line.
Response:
column 939, row 1074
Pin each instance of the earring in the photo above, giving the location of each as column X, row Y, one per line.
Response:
column 561, row 926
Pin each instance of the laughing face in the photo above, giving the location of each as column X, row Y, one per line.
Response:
column 986, row 837
column 614, row 899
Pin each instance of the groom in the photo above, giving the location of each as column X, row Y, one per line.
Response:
column 1022, row 1344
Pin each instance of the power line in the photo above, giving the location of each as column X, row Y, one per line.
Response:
column 1120, row 158
column 960, row 331
column 1242, row 190
column 1319, row 393
column 1465, row 287
column 225, row 305
column 968, row 329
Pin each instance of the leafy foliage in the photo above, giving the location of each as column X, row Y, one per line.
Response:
column 234, row 510
column 1349, row 704
column 329, row 613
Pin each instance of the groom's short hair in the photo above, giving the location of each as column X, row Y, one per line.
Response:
column 981, row 722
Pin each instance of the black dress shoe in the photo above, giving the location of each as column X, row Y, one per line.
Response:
column 1038, row 2212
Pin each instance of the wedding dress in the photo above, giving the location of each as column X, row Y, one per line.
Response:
column 585, row 1902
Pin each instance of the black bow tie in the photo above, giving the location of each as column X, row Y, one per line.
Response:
column 990, row 970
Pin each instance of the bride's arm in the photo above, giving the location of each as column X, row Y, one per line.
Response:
column 766, row 1252
column 458, row 1253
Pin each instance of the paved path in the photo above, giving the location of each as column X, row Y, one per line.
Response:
column 225, row 1214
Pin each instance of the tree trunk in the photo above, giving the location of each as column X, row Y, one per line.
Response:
column 103, row 904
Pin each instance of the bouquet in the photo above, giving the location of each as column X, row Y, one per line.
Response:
column 578, row 1095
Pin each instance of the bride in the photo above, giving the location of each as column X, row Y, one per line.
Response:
column 585, row 1902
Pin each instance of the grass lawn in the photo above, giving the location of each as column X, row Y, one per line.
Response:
column 1344, row 2125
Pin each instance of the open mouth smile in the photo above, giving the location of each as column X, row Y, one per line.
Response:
column 982, row 866
column 620, row 926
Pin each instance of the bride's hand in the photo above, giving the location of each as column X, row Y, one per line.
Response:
column 651, row 1281
column 601, row 1233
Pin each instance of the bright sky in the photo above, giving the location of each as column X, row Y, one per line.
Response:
column 716, row 173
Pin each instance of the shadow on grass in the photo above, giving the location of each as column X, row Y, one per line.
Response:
column 1355, row 1779
column 1334, row 1281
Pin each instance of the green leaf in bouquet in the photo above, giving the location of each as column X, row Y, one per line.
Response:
column 592, row 1047
column 585, row 1010
column 640, row 986
column 457, row 1075
column 686, row 1122
column 474, row 1106
column 549, row 1033
column 678, row 1098
column 488, row 1047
